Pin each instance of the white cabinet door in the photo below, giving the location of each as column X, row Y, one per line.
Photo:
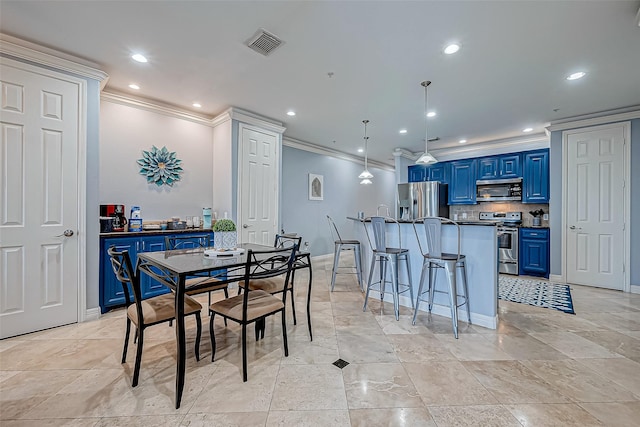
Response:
column 39, row 119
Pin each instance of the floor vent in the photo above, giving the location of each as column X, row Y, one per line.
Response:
column 264, row 42
column 340, row 363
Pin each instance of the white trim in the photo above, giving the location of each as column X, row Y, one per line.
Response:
column 626, row 159
column 591, row 120
column 154, row 107
column 635, row 289
column 557, row 278
column 91, row 314
column 51, row 58
column 312, row 148
column 488, row 148
column 81, row 232
column 444, row 311
column 257, row 120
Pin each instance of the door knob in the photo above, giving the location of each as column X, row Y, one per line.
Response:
column 245, row 226
column 573, row 227
column 67, row 233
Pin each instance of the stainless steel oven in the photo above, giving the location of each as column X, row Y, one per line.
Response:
column 507, row 230
column 507, row 250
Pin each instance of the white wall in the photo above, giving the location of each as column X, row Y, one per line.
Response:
column 124, row 133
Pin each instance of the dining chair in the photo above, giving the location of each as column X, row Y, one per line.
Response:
column 254, row 306
column 435, row 259
column 273, row 285
column 147, row 312
column 202, row 241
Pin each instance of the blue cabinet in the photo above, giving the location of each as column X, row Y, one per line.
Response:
column 500, row 167
column 462, row 182
column 437, row 172
column 535, row 182
column 111, row 294
column 534, row 252
column 418, row 173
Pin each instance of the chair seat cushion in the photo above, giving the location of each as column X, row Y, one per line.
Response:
column 212, row 283
column 161, row 308
column 259, row 305
column 271, row 285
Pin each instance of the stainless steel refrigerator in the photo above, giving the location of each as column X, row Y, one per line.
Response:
column 420, row 199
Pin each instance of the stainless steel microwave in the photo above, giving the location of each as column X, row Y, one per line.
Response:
column 498, row 190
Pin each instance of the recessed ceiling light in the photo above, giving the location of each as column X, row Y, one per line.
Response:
column 576, row 76
column 138, row 57
column 197, row 104
column 360, row 150
column 527, row 129
column 134, row 86
column 452, row 48
column 462, row 141
column 431, row 114
column 403, row 131
column 291, row 113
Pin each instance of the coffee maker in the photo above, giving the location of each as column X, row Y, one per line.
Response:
column 117, row 213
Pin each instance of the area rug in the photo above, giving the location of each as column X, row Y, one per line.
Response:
column 539, row 293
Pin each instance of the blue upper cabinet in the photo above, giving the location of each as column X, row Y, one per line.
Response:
column 418, row 173
column 437, row 172
column 535, row 181
column 462, row 182
column 500, row 167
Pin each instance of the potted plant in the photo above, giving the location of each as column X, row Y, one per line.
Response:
column 537, row 221
column 224, row 234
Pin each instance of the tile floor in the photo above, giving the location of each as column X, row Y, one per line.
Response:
column 539, row 368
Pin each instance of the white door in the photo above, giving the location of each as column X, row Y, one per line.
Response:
column 259, row 192
column 38, row 201
column 595, row 212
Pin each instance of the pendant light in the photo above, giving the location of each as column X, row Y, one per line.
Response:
column 365, row 176
column 426, row 158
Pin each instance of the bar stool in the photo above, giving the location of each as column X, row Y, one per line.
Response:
column 340, row 245
column 387, row 256
column 433, row 260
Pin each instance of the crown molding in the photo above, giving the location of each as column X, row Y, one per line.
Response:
column 44, row 56
column 619, row 115
column 154, row 107
column 488, row 148
column 312, row 148
column 250, row 118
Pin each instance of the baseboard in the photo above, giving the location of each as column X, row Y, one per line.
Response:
column 634, row 289
column 556, row 278
column 91, row 314
column 444, row 311
column 322, row 257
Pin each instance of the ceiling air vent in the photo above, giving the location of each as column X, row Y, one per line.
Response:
column 264, row 42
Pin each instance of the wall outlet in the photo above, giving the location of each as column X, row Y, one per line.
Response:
column 545, row 217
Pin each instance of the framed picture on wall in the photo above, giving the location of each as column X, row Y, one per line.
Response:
column 316, row 187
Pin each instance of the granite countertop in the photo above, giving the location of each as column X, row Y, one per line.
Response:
column 153, row 232
column 408, row 221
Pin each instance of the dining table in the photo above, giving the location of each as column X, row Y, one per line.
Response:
column 172, row 268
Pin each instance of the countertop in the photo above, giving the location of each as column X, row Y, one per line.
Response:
column 408, row 221
column 153, row 232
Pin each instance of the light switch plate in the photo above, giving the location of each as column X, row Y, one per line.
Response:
column 545, row 217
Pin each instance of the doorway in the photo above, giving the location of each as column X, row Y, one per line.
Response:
column 596, row 208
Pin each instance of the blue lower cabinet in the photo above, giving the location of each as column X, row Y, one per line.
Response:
column 111, row 293
column 534, row 252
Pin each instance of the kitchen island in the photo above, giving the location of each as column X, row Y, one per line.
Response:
column 477, row 241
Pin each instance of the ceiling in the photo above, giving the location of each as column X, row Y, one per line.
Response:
column 345, row 61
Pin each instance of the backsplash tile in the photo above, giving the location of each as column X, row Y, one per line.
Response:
column 473, row 211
